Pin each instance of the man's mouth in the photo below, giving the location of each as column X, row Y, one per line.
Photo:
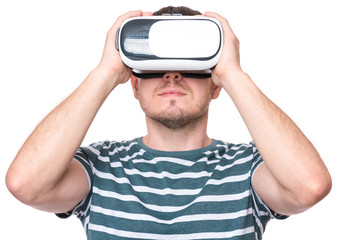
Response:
column 171, row 93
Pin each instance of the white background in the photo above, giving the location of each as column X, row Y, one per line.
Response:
column 289, row 48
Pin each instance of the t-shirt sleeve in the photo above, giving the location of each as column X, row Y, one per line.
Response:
column 81, row 209
column 261, row 209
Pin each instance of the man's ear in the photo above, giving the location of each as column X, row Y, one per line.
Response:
column 134, row 84
column 216, row 92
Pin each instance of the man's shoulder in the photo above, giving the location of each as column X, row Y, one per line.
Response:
column 108, row 148
column 233, row 147
column 113, row 144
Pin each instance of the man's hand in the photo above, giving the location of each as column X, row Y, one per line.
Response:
column 229, row 63
column 111, row 63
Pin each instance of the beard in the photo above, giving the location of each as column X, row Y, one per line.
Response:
column 176, row 118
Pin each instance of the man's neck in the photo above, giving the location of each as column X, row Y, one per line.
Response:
column 191, row 137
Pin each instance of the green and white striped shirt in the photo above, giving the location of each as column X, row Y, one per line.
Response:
column 140, row 193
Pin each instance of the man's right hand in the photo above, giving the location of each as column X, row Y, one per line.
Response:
column 111, row 64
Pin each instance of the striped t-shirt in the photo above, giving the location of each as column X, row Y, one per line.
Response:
column 141, row 193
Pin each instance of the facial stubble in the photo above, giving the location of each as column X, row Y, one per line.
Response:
column 176, row 118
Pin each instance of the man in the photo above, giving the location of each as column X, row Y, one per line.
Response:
column 175, row 182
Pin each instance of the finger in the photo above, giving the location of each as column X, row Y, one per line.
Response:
column 136, row 13
column 224, row 22
column 112, row 31
column 125, row 16
column 214, row 15
column 147, row 14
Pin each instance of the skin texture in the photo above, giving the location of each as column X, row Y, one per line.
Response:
column 292, row 178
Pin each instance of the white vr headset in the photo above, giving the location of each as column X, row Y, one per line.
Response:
column 170, row 43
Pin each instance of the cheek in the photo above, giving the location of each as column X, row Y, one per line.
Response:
column 203, row 88
column 146, row 87
column 145, row 95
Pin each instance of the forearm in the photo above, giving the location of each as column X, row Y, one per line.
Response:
column 293, row 177
column 287, row 153
column 47, row 152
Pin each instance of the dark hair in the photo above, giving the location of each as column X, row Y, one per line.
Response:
column 185, row 11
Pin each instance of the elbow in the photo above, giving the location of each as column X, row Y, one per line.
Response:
column 20, row 187
column 324, row 187
column 316, row 190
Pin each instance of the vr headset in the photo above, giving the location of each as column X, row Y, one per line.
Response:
column 153, row 45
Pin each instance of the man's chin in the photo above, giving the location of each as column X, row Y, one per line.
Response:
column 176, row 119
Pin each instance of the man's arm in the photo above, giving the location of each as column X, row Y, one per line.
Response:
column 293, row 177
column 44, row 174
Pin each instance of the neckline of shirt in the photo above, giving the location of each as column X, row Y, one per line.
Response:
column 198, row 151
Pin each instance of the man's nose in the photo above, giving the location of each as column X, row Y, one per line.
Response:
column 176, row 76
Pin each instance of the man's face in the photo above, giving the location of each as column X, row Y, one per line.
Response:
column 173, row 100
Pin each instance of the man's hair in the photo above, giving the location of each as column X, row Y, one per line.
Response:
column 185, row 11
